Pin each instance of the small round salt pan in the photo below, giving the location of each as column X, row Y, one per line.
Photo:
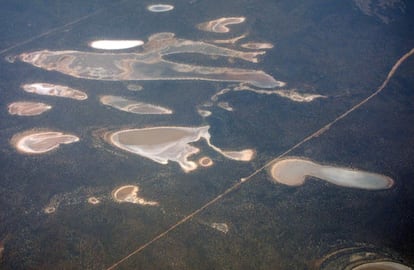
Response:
column 160, row 8
column 107, row 44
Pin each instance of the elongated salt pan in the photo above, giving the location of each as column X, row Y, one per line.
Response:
column 115, row 44
column 132, row 106
column 39, row 142
column 291, row 94
column 150, row 63
column 257, row 45
column 56, row 90
column 294, row 171
column 27, row 108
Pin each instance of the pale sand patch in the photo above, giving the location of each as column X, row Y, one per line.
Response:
column 244, row 155
column 220, row 25
column 228, row 41
column 162, row 144
column 134, row 87
column 257, row 45
column 204, row 113
column 49, row 210
column 385, row 265
column 109, row 44
column 129, row 193
column 56, row 90
column 291, row 94
column 39, row 142
column 205, row 162
column 132, row 106
column 222, row 227
column 294, row 171
column 216, row 96
column 93, row 200
column 28, row 108
column 225, row 106
column 160, row 8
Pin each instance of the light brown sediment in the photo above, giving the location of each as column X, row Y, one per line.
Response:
column 250, row 177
